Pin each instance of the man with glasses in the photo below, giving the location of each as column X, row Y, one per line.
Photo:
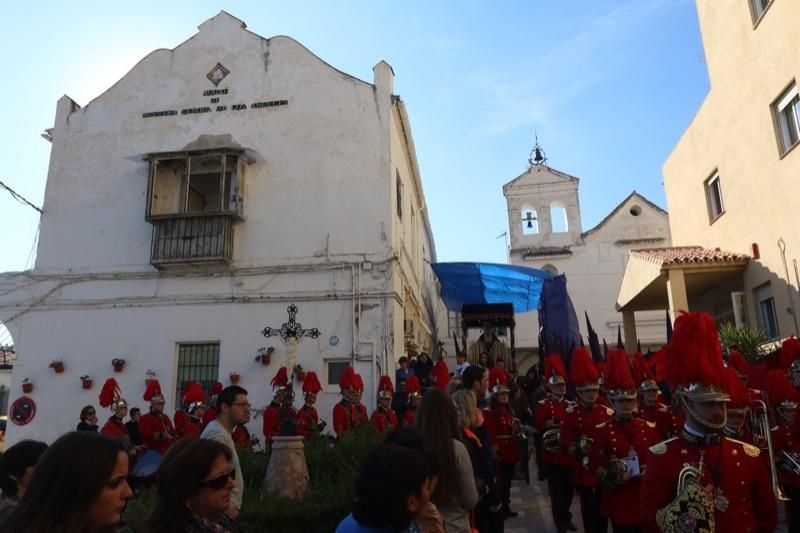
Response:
column 233, row 409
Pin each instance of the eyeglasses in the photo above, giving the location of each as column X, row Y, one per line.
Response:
column 90, row 413
column 242, row 404
column 219, row 482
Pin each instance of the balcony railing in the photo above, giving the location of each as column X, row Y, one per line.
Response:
column 190, row 239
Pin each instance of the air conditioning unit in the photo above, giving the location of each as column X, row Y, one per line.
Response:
column 408, row 327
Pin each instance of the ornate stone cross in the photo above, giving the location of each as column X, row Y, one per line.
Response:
column 291, row 333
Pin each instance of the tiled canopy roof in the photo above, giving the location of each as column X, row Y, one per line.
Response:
column 683, row 255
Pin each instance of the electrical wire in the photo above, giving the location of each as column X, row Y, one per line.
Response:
column 18, row 197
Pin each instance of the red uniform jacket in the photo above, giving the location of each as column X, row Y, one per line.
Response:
column 602, row 399
column 616, row 439
column 783, row 438
column 501, row 436
column 580, row 421
column 241, row 437
column 408, row 417
column 743, row 479
column 209, row 415
column 307, row 420
column 180, row 419
column 663, row 417
column 115, row 428
column 150, row 424
column 362, row 418
column 192, row 428
column 347, row 416
column 272, row 426
column 549, row 412
column 384, row 420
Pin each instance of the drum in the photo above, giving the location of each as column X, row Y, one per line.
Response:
column 146, row 464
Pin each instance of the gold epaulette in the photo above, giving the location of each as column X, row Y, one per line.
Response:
column 749, row 449
column 661, row 447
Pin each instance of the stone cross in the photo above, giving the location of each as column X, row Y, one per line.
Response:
column 291, row 332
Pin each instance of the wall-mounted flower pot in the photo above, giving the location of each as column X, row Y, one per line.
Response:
column 300, row 375
column 234, row 377
column 58, row 366
column 264, row 359
column 86, row 383
column 27, row 388
column 119, row 366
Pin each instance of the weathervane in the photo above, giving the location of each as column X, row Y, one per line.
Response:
column 537, row 156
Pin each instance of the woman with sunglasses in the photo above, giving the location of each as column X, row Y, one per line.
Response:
column 194, row 484
column 88, row 419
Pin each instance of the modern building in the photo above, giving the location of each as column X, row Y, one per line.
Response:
column 228, row 196
column 731, row 181
column 544, row 220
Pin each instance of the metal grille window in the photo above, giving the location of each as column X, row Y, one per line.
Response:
column 4, row 391
column 198, row 363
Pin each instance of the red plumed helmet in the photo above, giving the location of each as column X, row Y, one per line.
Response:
column 346, row 379
column 281, row 379
column 216, row 388
column 358, row 383
column 554, row 371
column 692, row 362
column 413, row 387
column 738, row 362
column 643, row 374
column 109, row 393
column 736, row 390
column 441, row 373
column 192, row 393
column 153, row 391
column 780, row 390
column 619, row 379
column 789, row 353
column 385, row 387
column 311, row 383
column 582, row 372
column 498, row 380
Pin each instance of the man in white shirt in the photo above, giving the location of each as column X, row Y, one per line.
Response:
column 233, row 410
column 461, row 364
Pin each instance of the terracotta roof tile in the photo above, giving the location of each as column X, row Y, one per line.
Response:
column 678, row 255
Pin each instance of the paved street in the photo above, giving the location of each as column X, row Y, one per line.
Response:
column 533, row 505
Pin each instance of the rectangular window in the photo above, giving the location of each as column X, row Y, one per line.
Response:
column 196, row 183
column 399, row 196
column 198, row 363
column 4, row 392
column 757, row 8
column 714, row 197
column 334, row 369
column 766, row 308
column 786, row 114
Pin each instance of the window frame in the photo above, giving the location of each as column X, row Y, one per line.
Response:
column 237, row 206
column 789, row 96
column 333, row 387
column 399, row 194
column 755, row 16
column 714, row 182
column 206, row 383
column 764, row 295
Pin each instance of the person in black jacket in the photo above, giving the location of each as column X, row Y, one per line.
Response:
column 133, row 427
column 88, row 419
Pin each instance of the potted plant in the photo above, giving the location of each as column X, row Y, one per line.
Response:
column 265, row 355
column 299, row 373
column 58, row 366
column 86, row 381
column 27, row 386
column 234, row 377
column 118, row 364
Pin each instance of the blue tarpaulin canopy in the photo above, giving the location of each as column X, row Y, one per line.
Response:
column 489, row 283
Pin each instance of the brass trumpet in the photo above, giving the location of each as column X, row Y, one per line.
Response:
column 759, row 423
column 518, row 430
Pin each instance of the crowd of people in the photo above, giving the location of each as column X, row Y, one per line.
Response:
column 714, row 456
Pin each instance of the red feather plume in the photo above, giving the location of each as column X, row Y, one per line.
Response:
column 641, row 369
column 735, row 389
column 618, row 371
column 694, row 355
column 346, row 379
column 109, row 393
column 412, row 385
column 497, row 376
column 385, row 384
column 442, row 374
column 790, row 350
column 192, row 393
column 216, row 388
column 358, row 383
column 779, row 388
column 738, row 362
column 311, row 383
column 582, row 369
column 281, row 379
column 553, row 365
column 153, row 389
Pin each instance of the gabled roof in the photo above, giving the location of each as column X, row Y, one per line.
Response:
column 689, row 255
column 608, row 217
column 529, row 172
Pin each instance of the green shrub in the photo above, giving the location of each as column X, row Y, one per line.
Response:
column 332, row 473
column 744, row 339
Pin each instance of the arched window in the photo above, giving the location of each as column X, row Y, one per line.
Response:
column 558, row 218
column 530, row 223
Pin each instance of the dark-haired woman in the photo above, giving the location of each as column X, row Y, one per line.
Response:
column 393, row 488
column 194, row 483
column 78, row 486
column 16, row 470
column 88, row 419
column 455, row 493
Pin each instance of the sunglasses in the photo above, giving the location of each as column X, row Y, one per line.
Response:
column 219, row 482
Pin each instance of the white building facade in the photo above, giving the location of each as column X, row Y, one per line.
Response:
column 191, row 204
column 545, row 230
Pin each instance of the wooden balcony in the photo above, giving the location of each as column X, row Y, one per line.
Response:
column 191, row 239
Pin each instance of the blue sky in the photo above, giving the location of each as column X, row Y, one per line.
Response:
column 608, row 85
